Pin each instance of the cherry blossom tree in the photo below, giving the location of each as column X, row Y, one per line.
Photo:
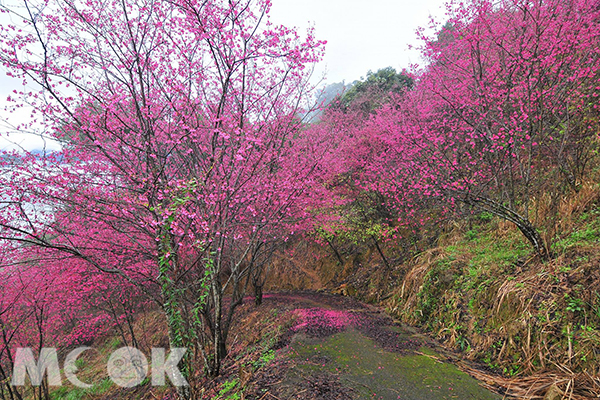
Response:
column 178, row 123
column 507, row 100
column 52, row 299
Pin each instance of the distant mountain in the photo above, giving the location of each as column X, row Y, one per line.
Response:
column 15, row 157
column 326, row 96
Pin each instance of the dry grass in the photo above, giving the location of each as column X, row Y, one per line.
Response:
column 528, row 320
column 558, row 384
column 573, row 205
column 533, row 320
column 302, row 266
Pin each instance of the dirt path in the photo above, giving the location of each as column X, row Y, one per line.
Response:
column 340, row 348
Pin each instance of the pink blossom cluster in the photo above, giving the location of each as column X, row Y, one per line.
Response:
column 509, row 94
column 337, row 320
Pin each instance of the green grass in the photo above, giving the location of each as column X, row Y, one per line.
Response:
column 587, row 235
column 470, row 267
column 75, row 393
column 485, row 287
column 228, row 390
column 265, row 359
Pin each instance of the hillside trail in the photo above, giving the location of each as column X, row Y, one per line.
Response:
column 340, row 348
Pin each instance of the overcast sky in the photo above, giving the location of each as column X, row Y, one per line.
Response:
column 361, row 36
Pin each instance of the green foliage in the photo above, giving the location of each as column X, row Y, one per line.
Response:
column 574, row 305
column 371, row 93
column 586, row 234
column 80, row 363
column 182, row 333
column 265, row 359
column 471, row 235
column 465, row 297
column 463, row 342
column 115, row 343
column 490, row 251
column 227, row 387
column 366, row 218
column 485, row 216
column 436, row 281
column 512, row 370
column 363, row 222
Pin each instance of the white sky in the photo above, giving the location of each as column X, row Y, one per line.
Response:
column 361, row 36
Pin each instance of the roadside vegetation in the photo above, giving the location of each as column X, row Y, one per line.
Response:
column 475, row 285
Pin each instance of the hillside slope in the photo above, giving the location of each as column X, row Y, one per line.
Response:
column 476, row 285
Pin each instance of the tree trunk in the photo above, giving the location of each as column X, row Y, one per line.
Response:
column 219, row 353
column 258, row 294
column 534, row 237
column 337, row 253
column 524, row 225
column 385, row 261
column 183, row 392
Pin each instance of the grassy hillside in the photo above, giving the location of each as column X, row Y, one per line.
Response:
column 476, row 285
column 481, row 292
